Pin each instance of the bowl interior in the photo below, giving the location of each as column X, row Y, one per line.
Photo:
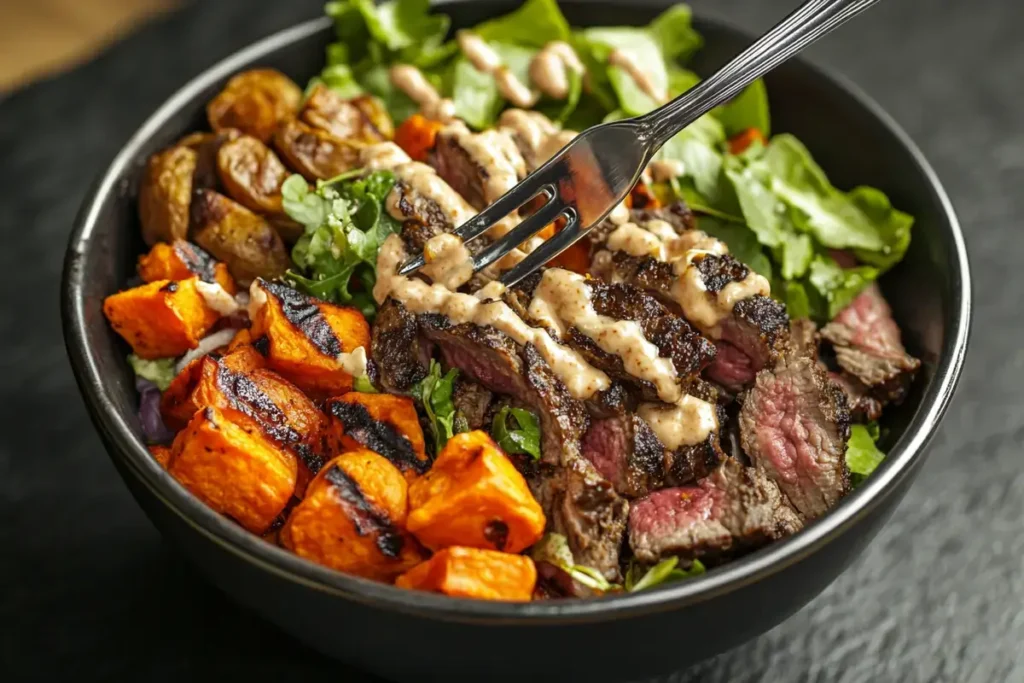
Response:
column 853, row 141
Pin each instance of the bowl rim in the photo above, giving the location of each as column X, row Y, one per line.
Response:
column 123, row 445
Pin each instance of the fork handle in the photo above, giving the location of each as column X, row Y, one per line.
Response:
column 812, row 20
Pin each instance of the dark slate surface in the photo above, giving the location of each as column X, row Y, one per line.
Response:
column 89, row 591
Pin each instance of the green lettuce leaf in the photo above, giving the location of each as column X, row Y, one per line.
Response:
column 794, row 295
column 838, row 285
column 400, row 106
column 435, row 393
column 794, row 255
column 749, row 109
column 665, row 571
column 643, row 48
column 399, row 24
column 893, row 225
column 561, row 111
column 524, row 438
column 159, row 371
column 862, row 455
column 534, row 24
column 674, row 33
column 742, row 243
column 475, row 94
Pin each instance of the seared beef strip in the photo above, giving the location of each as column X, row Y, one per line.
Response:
column 867, row 346
column 863, row 406
column 675, row 338
column 794, row 425
column 458, row 159
column 473, row 402
column 734, row 509
column 803, row 337
column 397, row 348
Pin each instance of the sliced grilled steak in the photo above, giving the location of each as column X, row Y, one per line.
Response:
column 399, row 353
column 479, row 166
column 473, row 402
column 626, row 451
column 803, row 337
column 734, row 509
column 863, row 406
column 675, row 338
column 867, row 345
column 794, row 425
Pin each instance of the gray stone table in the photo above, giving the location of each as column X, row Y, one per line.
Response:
column 90, row 593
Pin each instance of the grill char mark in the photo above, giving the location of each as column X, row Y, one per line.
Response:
column 196, row 260
column 302, row 312
column 366, row 517
column 717, row 271
column 378, row 436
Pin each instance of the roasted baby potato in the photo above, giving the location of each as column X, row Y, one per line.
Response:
column 474, row 496
column 234, row 468
column 243, row 240
column 160, row 319
column 315, row 153
column 206, row 146
column 351, row 519
column 252, row 175
column 255, row 102
column 384, row 423
column 474, row 573
column 362, row 118
column 165, row 193
column 316, row 345
column 182, row 260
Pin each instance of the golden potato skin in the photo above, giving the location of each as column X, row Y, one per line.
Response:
column 362, row 119
column 243, row 240
column 254, row 102
column 315, row 153
column 206, row 146
column 165, row 194
column 252, row 174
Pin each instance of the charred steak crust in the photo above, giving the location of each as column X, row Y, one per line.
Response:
column 718, row 270
column 473, row 402
column 397, row 349
column 794, row 425
column 457, row 168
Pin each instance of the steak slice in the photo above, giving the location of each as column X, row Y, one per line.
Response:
column 399, row 354
column 863, row 406
column 868, row 347
column 479, row 166
column 673, row 336
column 803, row 337
column 735, row 509
column 473, row 402
column 624, row 450
column 794, row 425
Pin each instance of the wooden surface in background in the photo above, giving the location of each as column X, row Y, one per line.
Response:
column 38, row 37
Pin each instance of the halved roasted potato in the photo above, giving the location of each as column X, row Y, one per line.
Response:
column 255, row 102
column 243, row 240
column 252, row 175
column 361, row 119
column 165, row 194
column 315, row 153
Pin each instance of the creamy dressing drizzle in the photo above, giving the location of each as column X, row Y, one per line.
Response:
column 549, row 69
column 581, row 379
column 485, row 59
column 449, row 262
column 413, row 83
column 627, row 63
column 684, row 423
column 216, row 297
column 664, row 170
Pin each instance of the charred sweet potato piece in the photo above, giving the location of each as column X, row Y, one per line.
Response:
column 317, row 345
column 351, row 519
column 252, row 175
column 241, row 239
column 254, row 102
column 162, row 454
column 474, row 573
column 474, row 496
column 232, row 467
column 417, row 136
column 361, row 118
column 315, row 153
column 242, row 339
column 197, row 385
column 384, row 423
column 182, row 260
column 160, row 319
column 165, row 194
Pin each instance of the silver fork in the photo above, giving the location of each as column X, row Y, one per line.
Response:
column 593, row 173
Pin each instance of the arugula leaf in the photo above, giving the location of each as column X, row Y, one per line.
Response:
column 749, row 109
column 363, row 385
column 665, row 571
column 344, row 227
column 862, row 455
column 674, row 33
column 534, row 24
column 893, row 225
column 398, row 24
column 476, row 96
column 644, row 49
column 590, row 577
column 435, row 393
column 836, row 284
column 523, row 439
column 683, row 188
column 761, row 209
column 794, row 255
column 794, row 295
column 159, row 371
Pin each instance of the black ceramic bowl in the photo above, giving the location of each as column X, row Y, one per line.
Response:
column 401, row 634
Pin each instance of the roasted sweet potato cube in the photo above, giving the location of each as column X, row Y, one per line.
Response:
column 165, row 193
column 181, row 261
column 474, row 573
column 384, row 423
column 198, row 385
column 315, row 153
column 253, row 175
column 318, row 346
column 254, row 102
column 242, row 338
column 229, row 464
column 243, row 240
column 474, row 496
column 162, row 318
column 351, row 519
column 162, row 454
column 361, row 118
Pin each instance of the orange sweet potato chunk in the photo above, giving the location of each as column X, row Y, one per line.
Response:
column 226, row 462
column 162, row 318
column 474, row 573
column 305, row 337
column 352, row 518
column 183, row 260
column 383, row 423
column 474, row 496
column 162, row 454
column 196, row 386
